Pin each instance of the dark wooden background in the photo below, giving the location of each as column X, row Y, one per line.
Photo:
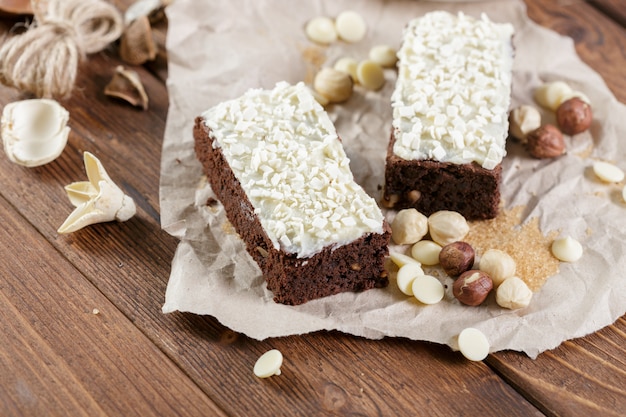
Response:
column 58, row 358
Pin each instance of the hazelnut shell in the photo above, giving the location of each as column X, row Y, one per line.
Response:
column 545, row 142
column 456, row 258
column 574, row 116
column 472, row 287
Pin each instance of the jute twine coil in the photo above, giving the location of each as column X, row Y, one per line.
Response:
column 44, row 59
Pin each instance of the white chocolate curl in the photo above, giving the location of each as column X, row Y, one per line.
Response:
column 97, row 200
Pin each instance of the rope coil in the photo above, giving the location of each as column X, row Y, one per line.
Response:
column 44, row 59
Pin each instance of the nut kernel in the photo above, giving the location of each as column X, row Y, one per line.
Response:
column 335, row 85
column 426, row 252
column 498, row 264
column 550, row 95
column 408, row 227
column 456, row 258
column 523, row 120
column 545, row 142
column 472, row 287
column 574, row 116
column 567, row 249
column 513, row 293
column 447, row 226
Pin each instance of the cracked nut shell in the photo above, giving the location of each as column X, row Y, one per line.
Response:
column 545, row 142
column 472, row 287
column 574, row 116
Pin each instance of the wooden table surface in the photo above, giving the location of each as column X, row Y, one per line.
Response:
column 58, row 358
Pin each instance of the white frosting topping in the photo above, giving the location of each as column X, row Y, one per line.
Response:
column 285, row 152
column 453, row 90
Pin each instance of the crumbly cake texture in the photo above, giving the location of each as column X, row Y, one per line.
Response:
column 450, row 122
column 274, row 160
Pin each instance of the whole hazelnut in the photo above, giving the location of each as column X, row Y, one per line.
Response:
column 472, row 287
column 574, row 116
column 545, row 142
column 456, row 258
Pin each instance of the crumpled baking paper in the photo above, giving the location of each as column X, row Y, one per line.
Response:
column 220, row 48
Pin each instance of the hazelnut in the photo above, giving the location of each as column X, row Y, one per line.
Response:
column 513, row 293
column 523, row 120
column 545, row 142
column 447, row 227
column 498, row 264
column 336, row 86
column 408, row 227
column 574, row 116
column 456, row 258
column 472, row 287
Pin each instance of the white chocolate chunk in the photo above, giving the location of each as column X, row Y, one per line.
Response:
column 383, row 55
column 347, row 65
column 567, row 249
column 406, row 275
column 513, row 293
column 400, row 260
column 550, row 95
column 321, row 29
column 426, row 252
column 473, row 344
column 370, row 75
column 350, row 26
column 608, row 172
column 268, row 364
column 427, row 289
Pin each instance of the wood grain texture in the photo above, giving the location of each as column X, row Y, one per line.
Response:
column 613, row 9
column 57, row 358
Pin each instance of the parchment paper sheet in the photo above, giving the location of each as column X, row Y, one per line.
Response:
column 220, row 48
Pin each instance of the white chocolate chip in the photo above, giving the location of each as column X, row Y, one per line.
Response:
column 268, row 364
column 513, row 293
column 400, row 260
column 406, row 276
column 409, row 226
column 473, row 344
column 350, row 26
column 321, row 29
column 523, row 120
column 335, row 85
column 383, row 55
column 447, row 226
column 426, row 252
column 427, row 289
column 550, row 95
column 567, row 249
column 498, row 264
column 608, row 172
column 370, row 75
column 347, row 65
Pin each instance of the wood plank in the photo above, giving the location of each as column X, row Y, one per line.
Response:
column 614, row 9
column 599, row 41
column 58, row 358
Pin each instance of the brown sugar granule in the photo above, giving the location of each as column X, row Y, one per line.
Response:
column 526, row 244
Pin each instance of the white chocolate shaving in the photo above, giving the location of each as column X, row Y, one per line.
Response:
column 97, row 200
column 34, row 132
column 453, row 91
